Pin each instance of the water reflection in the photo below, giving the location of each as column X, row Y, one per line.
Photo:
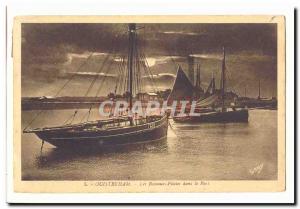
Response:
column 60, row 155
column 190, row 152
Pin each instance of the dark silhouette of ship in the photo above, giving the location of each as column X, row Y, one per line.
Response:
column 118, row 130
column 214, row 106
column 259, row 102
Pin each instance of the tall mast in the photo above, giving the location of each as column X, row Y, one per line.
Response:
column 132, row 42
column 258, row 89
column 198, row 77
column 223, row 81
column 213, row 88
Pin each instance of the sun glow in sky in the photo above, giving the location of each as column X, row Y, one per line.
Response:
column 150, row 60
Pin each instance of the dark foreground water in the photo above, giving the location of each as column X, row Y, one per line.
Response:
column 190, row 152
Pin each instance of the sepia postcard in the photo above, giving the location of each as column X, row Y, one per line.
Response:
column 119, row 104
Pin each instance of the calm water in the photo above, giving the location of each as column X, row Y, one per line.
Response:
column 191, row 152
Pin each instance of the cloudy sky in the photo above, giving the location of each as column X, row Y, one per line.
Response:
column 52, row 51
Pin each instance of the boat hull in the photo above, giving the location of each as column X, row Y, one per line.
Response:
column 94, row 139
column 216, row 117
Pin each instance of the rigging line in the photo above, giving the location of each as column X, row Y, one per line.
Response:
column 34, row 118
column 133, row 71
column 154, row 84
column 96, row 94
column 96, row 78
column 116, row 86
column 113, row 51
column 76, row 111
column 138, row 74
column 72, row 118
column 122, row 83
column 138, row 44
column 101, row 80
column 122, row 87
column 92, row 84
column 150, row 73
column 115, row 48
column 120, row 65
column 119, row 90
column 98, row 75
column 143, row 49
column 135, row 68
column 120, row 76
column 142, row 79
column 83, row 64
column 138, row 71
column 124, row 64
column 146, row 72
column 142, row 58
column 88, row 114
column 125, row 74
column 65, row 84
column 144, row 39
column 118, row 80
column 104, row 77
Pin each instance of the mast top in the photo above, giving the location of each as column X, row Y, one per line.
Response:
column 223, row 78
column 132, row 27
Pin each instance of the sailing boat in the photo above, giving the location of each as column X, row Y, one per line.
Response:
column 112, row 131
column 213, row 115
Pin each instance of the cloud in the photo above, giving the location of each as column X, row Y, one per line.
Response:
column 208, row 56
column 160, row 75
column 91, row 74
column 158, row 37
column 94, row 74
column 182, row 33
column 84, row 55
column 50, row 51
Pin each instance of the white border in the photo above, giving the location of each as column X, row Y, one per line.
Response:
column 157, row 7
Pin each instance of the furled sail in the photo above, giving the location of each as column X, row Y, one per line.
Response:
column 209, row 101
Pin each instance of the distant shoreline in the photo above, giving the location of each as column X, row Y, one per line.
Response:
column 51, row 103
